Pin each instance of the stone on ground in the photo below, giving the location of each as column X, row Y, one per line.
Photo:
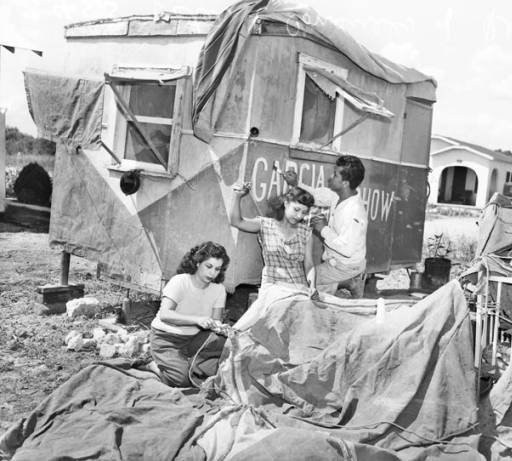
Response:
column 87, row 307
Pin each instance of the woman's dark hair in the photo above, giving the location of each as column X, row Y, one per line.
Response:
column 294, row 194
column 200, row 253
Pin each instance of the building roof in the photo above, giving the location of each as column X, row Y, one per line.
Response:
column 501, row 156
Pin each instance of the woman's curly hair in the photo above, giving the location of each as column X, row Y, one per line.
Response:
column 200, row 253
column 294, row 194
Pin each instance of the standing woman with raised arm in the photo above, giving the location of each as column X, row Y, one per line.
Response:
column 284, row 240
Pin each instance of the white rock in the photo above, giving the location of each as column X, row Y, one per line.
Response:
column 142, row 336
column 88, row 307
column 75, row 343
column 89, row 344
column 123, row 334
column 107, row 351
column 98, row 334
column 111, row 338
column 131, row 347
column 70, row 335
column 145, row 348
column 121, row 349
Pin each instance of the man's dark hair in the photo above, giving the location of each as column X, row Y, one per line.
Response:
column 353, row 169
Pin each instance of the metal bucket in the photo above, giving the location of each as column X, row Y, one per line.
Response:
column 416, row 280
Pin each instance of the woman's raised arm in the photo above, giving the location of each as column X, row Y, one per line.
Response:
column 235, row 216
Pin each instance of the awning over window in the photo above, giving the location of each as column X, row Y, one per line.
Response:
column 161, row 76
column 332, row 84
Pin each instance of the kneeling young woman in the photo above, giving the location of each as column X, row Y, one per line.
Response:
column 182, row 345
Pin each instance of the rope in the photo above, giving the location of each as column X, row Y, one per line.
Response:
column 194, row 358
column 401, row 428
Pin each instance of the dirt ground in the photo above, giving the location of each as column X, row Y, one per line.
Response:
column 33, row 356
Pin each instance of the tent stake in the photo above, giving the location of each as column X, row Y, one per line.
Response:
column 65, row 259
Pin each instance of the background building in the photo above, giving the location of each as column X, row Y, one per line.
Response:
column 467, row 174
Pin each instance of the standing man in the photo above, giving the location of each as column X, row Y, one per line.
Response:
column 344, row 236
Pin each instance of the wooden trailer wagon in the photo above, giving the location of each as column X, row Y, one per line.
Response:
column 152, row 134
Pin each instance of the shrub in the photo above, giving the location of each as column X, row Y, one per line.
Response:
column 11, row 173
column 42, row 146
column 33, row 185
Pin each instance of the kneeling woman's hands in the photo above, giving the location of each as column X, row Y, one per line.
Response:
column 206, row 323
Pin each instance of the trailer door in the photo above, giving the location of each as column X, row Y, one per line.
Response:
column 412, row 184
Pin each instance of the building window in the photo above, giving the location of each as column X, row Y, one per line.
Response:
column 509, row 176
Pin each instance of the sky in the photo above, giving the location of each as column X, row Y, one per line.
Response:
column 465, row 45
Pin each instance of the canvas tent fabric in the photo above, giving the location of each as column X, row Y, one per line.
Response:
column 338, row 366
column 66, row 109
column 111, row 412
column 493, row 255
column 226, row 41
column 313, row 381
column 220, row 52
column 494, row 228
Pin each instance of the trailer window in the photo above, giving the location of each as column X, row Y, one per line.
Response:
column 322, row 93
column 153, row 106
column 318, row 110
column 143, row 117
column 318, row 114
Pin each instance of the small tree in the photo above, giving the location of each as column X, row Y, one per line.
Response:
column 438, row 247
column 16, row 141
